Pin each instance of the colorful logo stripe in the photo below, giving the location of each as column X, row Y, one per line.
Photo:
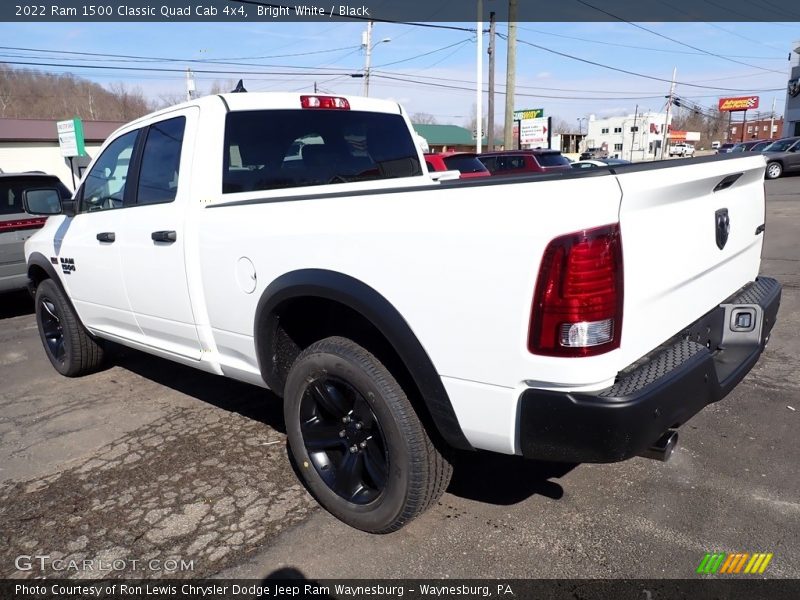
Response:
column 734, row 563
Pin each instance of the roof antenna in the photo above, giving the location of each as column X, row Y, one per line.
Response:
column 239, row 88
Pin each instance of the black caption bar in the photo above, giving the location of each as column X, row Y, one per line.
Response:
column 400, row 10
column 386, row 589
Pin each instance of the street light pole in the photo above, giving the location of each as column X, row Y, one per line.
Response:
column 366, row 43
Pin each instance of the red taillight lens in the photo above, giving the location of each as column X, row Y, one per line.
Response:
column 324, row 102
column 577, row 306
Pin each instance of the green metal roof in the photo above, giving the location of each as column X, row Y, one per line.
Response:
column 445, row 134
column 449, row 135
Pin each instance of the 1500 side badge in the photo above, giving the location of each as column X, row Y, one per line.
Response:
column 67, row 265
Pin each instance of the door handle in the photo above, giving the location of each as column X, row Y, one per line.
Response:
column 164, row 236
column 106, row 236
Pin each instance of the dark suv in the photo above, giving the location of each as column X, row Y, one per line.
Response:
column 517, row 162
column 16, row 226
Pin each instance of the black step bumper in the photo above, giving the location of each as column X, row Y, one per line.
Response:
column 663, row 390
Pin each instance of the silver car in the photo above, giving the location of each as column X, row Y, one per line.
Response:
column 16, row 226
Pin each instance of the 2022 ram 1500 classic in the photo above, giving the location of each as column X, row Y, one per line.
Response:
column 572, row 317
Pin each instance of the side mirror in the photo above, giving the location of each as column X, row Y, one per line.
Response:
column 42, row 201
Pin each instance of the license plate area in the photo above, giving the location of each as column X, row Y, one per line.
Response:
column 742, row 325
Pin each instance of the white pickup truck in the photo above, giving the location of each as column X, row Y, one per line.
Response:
column 681, row 149
column 296, row 242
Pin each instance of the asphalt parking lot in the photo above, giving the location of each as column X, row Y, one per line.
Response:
column 159, row 470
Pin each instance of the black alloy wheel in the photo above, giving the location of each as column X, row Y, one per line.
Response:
column 344, row 440
column 356, row 439
column 70, row 348
column 52, row 329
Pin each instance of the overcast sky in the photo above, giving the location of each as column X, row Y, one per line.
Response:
column 750, row 58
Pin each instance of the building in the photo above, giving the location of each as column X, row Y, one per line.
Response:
column 450, row 138
column 632, row 137
column 791, row 126
column 757, row 129
column 32, row 145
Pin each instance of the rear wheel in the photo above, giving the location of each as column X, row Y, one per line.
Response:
column 70, row 348
column 357, row 441
column 774, row 170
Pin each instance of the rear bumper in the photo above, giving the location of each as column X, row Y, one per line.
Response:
column 661, row 391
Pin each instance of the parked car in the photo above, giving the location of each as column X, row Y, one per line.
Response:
column 715, row 145
column 681, row 149
column 16, row 226
column 591, row 153
column 595, row 164
column 517, row 162
column 557, row 318
column 751, row 146
column 725, row 148
column 466, row 163
column 783, row 156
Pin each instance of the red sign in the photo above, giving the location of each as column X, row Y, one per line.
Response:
column 739, row 103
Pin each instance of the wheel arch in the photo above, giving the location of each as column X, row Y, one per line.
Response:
column 350, row 299
column 39, row 269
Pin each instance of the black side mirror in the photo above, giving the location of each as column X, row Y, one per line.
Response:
column 42, row 201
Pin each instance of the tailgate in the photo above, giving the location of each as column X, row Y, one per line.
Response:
column 678, row 261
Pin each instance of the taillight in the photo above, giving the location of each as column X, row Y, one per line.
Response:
column 324, row 102
column 577, row 306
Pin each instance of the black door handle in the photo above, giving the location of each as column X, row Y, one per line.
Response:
column 106, row 236
column 164, row 236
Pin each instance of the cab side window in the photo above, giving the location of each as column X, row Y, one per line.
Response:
column 104, row 188
column 161, row 159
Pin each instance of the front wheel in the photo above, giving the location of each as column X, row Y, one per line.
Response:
column 69, row 347
column 359, row 445
column 774, row 170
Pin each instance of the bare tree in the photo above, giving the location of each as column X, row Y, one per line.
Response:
column 423, row 118
column 559, row 125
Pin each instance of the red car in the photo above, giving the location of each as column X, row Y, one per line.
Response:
column 465, row 162
column 518, row 162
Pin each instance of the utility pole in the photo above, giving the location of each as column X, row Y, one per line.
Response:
column 633, row 139
column 772, row 118
column 669, row 109
column 190, row 87
column 479, row 81
column 366, row 41
column 490, row 115
column 511, row 68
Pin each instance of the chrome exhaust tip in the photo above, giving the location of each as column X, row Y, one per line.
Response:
column 663, row 448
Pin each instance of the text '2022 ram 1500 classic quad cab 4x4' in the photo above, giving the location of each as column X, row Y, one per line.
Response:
column 578, row 316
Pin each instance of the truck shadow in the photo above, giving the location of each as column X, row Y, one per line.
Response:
column 504, row 480
column 247, row 400
column 15, row 304
column 481, row 476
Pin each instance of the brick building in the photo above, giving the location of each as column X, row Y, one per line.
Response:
column 756, row 129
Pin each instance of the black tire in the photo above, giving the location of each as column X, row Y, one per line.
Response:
column 70, row 348
column 359, row 445
column 774, row 170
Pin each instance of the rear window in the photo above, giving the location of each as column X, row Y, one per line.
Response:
column 466, row 164
column 552, row 160
column 275, row 149
column 11, row 189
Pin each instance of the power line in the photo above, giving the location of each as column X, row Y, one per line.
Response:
column 396, row 62
column 134, row 58
column 666, row 37
column 167, row 70
column 634, row 73
column 571, row 37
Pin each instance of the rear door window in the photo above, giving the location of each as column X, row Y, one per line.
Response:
column 274, row 149
column 552, row 160
column 465, row 164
